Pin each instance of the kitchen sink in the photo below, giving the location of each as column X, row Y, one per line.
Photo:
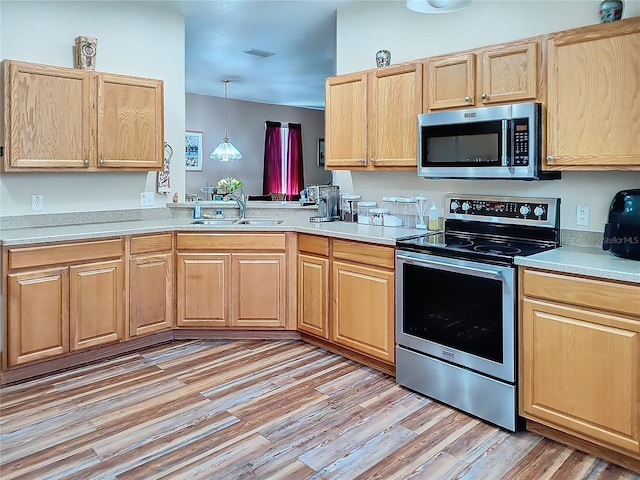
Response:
column 214, row 221
column 259, row 221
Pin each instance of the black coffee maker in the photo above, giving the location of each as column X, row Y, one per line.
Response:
column 622, row 231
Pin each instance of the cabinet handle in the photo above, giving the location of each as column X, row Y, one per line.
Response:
column 549, row 158
column 102, row 161
column 361, row 160
column 467, row 98
column 373, row 160
column 484, row 96
column 86, row 162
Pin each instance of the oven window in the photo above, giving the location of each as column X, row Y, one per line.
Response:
column 465, row 145
column 459, row 311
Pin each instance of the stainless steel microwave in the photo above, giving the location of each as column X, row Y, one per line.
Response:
column 499, row 142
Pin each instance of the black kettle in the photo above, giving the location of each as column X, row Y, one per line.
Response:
column 622, row 231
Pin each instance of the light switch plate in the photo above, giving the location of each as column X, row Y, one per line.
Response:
column 146, row 199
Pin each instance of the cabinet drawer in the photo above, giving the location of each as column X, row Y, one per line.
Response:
column 151, row 243
column 587, row 292
column 24, row 257
column 313, row 244
column 364, row 253
column 230, row 241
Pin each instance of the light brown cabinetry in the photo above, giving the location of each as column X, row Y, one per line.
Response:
column 593, row 104
column 362, row 303
column 62, row 298
column 313, row 285
column 150, row 284
column 370, row 119
column 60, row 118
column 580, row 358
column 499, row 74
column 232, row 280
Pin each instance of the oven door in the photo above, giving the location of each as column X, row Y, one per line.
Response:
column 460, row 311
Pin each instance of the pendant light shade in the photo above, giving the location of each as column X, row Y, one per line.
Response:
column 436, row 6
column 225, row 152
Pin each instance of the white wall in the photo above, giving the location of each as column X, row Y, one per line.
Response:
column 366, row 27
column 246, row 131
column 133, row 39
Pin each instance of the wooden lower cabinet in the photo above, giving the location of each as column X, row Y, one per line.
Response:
column 580, row 358
column 96, row 307
column 362, row 314
column 313, row 295
column 204, row 289
column 37, row 315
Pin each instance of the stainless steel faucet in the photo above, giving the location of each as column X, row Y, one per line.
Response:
column 242, row 205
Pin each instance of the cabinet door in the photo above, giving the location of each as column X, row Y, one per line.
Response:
column 150, row 293
column 96, row 311
column 580, row 372
column 395, row 102
column 203, row 289
column 362, row 312
column 48, row 117
column 593, row 102
column 451, row 81
column 346, row 121
column 509, row 74
column 37, row 315
column 258, row 290
column 130, row 122
column 313, row 295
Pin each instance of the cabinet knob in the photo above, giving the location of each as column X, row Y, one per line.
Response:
column 484, row 96
column 549, row 158
column 102, row 161
column 361, row 160
column 467, row 98
column 86, row 162
column 373, row 160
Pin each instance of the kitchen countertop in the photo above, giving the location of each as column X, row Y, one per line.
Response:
column 337, row 229
column 593, row 262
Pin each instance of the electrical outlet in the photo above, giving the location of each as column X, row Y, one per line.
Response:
column 37, row 203
column 146, row 199
column 582, row 215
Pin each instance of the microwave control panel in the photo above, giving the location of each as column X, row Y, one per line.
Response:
column 520, row 142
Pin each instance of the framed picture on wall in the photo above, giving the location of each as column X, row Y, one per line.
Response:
column 321, row 152
column 193, row 150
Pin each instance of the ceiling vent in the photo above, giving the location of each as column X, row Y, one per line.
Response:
column 259, row 53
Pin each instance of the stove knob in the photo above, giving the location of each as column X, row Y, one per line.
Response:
column 454, row 205
column 466, row 206
column 524, row 210
column 538, row 211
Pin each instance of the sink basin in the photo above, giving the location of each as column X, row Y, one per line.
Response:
column 259, row 221
column 214, row 221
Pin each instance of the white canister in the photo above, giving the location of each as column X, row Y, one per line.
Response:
column 407, row 211
column 377, row 215
column 363, row 211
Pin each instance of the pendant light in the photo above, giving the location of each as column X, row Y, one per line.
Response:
column 225, row 152
column 436, row 6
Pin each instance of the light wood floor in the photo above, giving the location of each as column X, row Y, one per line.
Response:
column 258, row 409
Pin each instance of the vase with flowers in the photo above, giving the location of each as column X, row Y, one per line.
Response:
column 229, row 185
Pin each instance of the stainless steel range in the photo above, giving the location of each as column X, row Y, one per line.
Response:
column 456, row 301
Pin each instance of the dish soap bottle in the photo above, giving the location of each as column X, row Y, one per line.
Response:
column 196, row 210
column 433, row 217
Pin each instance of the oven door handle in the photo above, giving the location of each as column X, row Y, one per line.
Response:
column 451, row 268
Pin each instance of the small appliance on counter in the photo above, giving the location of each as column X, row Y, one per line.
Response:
column 622, row 230
column 327, row 197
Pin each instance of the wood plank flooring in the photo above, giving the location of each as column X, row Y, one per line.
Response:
column 258, row 409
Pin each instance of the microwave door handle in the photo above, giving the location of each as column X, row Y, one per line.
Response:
column 505, row 143
column 450, row 268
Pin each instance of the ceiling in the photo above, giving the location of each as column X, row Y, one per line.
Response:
column 301, row 33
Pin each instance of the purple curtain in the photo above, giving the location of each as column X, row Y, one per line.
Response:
column 272, row 173
column 295, row 166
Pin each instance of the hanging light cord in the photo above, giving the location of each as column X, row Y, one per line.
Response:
column 226, row 139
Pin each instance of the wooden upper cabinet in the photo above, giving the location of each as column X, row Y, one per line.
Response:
column 593, row 109
column 47, row 117
column 346, row 121
column 70, row 119
column 130, row 122
column 371, row 118
column 499, row 74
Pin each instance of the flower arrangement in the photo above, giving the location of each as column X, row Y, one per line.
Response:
column 229, row 185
